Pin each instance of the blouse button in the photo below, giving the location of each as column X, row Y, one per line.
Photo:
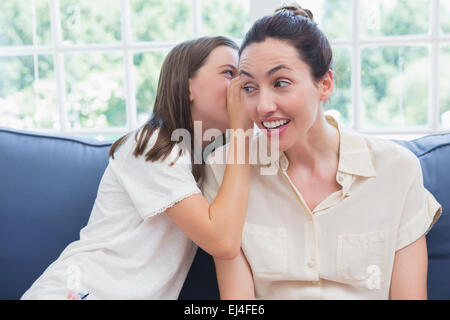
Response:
column 311, row 263
column 341, row 179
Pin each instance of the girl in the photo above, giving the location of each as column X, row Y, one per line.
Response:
column 149, row 214
column 345, row 215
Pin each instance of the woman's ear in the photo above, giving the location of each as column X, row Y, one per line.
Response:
column 326, row 86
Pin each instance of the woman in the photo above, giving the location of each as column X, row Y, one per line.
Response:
column 149, row 210
column 344, row 216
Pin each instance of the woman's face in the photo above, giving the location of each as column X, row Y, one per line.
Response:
column 208, row 89
column 280, row 91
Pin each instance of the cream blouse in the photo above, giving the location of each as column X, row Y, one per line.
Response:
column 345, row 247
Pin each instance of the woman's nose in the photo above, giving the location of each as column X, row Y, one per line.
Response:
column 266, row 105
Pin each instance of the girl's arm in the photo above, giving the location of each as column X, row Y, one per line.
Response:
column 235, row 278
column 409, row 275
column 217, row 227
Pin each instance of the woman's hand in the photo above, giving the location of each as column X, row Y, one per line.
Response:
column 235, row 105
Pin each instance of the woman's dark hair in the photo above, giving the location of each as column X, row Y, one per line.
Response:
column 172, row 108
column 296, row 26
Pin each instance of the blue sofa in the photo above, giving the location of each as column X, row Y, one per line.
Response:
column 48, row 184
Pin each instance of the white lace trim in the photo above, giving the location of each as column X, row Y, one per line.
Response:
column 178, row 199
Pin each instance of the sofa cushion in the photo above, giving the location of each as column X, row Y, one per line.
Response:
column 47, row 191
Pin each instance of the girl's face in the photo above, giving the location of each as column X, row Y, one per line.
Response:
column 208, row 89
column 280, row 91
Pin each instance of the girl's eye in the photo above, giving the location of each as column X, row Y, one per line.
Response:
column 230, row 73
column 281, row 84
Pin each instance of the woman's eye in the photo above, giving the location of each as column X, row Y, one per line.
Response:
column 281, row 84
column 248, row 89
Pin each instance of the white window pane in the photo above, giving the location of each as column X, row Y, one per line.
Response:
column 43, row 25
column 15, row 23
column 95, row 96
column 394, row 17
column 226, row 18
column 46, row 114
column 444, row 85
column 27, row 102
column 333, row 16
column 340, row 102
column 87, row 21
column 445, row 14
column 147, row 66
column 395, row 82
column 159, row 20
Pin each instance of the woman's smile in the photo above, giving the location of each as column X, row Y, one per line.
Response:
column 275, row 126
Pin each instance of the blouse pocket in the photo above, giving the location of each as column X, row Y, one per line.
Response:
column 265, row 248
column 362, row 259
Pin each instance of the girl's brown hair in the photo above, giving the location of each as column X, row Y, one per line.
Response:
column 172, row 108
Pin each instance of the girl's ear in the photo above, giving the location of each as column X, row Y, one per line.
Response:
column 191, row 95
column 326, row 86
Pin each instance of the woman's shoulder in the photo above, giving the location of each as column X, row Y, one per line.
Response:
column 386, row 152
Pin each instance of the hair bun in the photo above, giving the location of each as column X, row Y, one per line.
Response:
column 297, row 10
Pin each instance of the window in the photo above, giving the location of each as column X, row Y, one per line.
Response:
column 394, row 56
column 72, row 67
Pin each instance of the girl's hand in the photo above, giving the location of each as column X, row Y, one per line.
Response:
column 235, row 105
